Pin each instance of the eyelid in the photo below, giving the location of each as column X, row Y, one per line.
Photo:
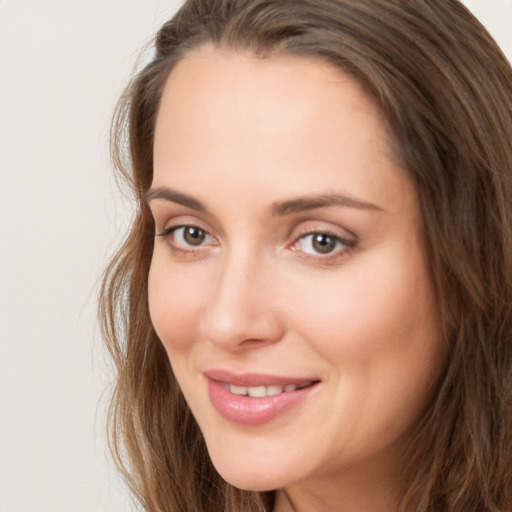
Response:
column 346, row 238
column 182, row 222
column 326, row 232
column 320, row 227
column 349, row 243
column 170, row 223
column 183, row 243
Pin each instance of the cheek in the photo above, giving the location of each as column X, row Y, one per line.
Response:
column 377, row 328
column 377, row 321
column 174, row 297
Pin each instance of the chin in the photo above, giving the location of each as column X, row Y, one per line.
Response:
column 252, row 475
column 251, row 481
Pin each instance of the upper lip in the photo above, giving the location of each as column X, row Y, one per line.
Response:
column 255, row 379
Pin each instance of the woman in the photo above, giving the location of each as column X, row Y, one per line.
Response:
column 312, row 310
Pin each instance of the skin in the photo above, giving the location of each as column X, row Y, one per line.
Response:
column 238, row 134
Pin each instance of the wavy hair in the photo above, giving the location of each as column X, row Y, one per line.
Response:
column 446, row 90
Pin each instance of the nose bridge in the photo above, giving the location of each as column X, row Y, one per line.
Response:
column 240, row 307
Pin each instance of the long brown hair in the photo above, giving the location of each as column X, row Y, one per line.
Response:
column 446, row 90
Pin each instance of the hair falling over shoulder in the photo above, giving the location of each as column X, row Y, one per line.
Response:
column 446, row 90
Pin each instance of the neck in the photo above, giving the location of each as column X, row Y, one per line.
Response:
column 353, row 490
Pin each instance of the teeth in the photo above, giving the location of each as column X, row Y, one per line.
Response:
column 274, row 390
column 238, row 390
column 257, row 392
column 261, row 391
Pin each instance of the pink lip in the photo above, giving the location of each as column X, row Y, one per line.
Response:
column 254, row 411
column 255, row 379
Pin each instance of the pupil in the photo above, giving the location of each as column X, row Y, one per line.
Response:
column 323, row 243
column 194, row 236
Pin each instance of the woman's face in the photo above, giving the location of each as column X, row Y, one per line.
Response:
column 289, row 283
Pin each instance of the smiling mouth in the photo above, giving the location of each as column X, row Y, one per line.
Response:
column 255, row 399
column 263, row 391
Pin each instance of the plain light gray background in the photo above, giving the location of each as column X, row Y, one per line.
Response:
column 62, row 66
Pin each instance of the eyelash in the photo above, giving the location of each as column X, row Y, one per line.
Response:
column 337, row 254
column 166, row 233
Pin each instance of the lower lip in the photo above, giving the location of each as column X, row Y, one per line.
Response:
column 247, row 410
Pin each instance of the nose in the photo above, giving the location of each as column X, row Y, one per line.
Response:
column 242, row 306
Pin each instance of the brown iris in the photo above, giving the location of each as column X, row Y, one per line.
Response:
column 194, row 236
column 323, row 243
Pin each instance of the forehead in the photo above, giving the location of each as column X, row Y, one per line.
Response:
column 291, row 120
column 243, row 89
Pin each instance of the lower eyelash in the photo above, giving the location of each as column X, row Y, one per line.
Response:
column 338, row 238
column 165, row 232
column 349, row 245
column 333, row 257
column 176, row 248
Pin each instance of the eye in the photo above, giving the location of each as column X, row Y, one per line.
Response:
column 190, row 235
column 318, row 244
column 186, row 237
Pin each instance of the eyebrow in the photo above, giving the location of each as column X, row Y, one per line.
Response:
column 175, row 197
column 313, row 202
column 277, row 209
